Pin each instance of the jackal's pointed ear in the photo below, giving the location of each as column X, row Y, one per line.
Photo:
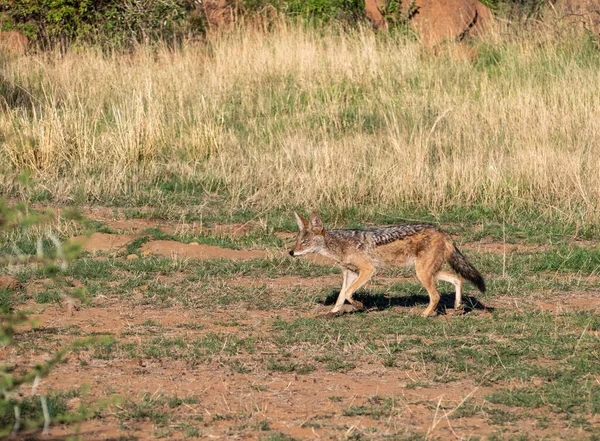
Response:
column 302, row 223
column 315, row 223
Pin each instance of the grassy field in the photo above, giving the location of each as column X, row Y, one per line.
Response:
column 228, row 348
column 346, row 121
column 164, row 147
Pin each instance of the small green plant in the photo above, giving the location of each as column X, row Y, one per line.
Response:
column 278, row 436
column 191, row 432
column 53, row 255
column 289, row 366
column 397, row 16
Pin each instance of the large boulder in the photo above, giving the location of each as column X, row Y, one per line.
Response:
column 437, row 20
column 13, row 42
column 374, row 12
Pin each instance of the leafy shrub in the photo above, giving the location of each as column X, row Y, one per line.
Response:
column 122, row 23
column 16, row 221
column 516, row 9
column 113, row 22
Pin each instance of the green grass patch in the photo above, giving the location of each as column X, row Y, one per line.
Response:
column 263, row 268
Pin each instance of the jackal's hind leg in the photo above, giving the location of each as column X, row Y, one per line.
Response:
column 349, row 277
column 445, row 276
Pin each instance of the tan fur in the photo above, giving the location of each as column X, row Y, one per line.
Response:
column 361, row 252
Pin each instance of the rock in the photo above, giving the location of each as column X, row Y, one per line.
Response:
column 438, row 20
column 373, row 10
column 13, row 42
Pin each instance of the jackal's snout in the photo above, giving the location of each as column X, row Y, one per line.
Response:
column 292, row 253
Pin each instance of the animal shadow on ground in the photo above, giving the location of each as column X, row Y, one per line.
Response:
column 380, row 301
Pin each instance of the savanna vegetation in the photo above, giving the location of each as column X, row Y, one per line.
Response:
column 321, row 118
column 162, row 137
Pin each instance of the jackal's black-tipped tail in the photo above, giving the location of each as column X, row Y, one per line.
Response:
column 461, row 265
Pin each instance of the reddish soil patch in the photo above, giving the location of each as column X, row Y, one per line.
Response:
column 314, row 405
column 9, row 282
column 178, row 250
column 571, row 302
column 231, row 402
column 551, row 302
column 111, row 243
column 104, row 242
column 134, row 225
column 287, row 400
column 117, row 221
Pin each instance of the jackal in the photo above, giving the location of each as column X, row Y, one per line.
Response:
column 360, row 252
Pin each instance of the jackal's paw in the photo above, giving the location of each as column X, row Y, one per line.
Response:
column 460, row 309
column 428, row 313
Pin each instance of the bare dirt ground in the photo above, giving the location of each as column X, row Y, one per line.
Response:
column 288, row 400
column 369, row 401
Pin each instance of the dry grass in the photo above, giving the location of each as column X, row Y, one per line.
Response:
column 309, row 118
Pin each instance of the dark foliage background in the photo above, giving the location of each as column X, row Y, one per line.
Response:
column 120, row 23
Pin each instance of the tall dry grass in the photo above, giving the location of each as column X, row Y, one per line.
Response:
column 299, row 117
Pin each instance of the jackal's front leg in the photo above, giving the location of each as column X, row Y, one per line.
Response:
column 365, row 272
column 349, row 277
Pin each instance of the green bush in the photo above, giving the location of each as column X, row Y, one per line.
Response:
column 122, row 23
column 516, row 10
column 15, row 221
column 321, row 10
column 117, row 23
